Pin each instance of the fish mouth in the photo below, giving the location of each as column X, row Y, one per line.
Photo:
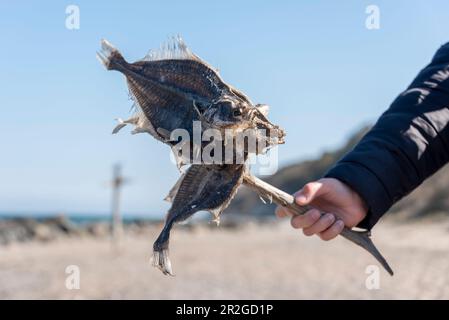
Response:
column 274, row 133
column 280, row 135
column 277, row 138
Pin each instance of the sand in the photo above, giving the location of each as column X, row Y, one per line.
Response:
column 254, row 262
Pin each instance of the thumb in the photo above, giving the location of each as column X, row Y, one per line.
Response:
column 309, row 192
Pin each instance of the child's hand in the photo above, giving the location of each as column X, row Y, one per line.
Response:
column 341, row 206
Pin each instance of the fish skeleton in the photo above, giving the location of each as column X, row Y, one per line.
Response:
column 172, row 88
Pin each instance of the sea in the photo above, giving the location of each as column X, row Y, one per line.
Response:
column 88, row 218
column 81, row 218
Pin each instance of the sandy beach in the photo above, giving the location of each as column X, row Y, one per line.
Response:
column 253, row 262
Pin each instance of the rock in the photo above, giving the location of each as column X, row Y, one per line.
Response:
column 63, row 224
column 99, row 229
column 43, row 232
column 14, row 231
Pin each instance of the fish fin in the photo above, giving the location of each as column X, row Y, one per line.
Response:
column 161, row 261
column 109, row 56
column 174, row 190
column 121, row 124
column 173, row 48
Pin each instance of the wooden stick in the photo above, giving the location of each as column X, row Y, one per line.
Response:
column 360, row 238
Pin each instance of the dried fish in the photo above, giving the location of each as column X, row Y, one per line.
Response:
column 173, row 89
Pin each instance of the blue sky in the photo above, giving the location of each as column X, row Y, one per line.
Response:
column 323, row 73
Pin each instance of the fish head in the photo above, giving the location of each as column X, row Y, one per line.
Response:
column 228, row 112
column 268, row 133
column 242, row 117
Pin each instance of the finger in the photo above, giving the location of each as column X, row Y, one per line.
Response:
column 333, row 231
column 322, row 224
column 309, row 192
column 282, row 212
column 305, row 220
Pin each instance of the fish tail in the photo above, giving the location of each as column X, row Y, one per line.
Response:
column 160, row 257
column 110, row 57
column 161, row 261
column 120, row 125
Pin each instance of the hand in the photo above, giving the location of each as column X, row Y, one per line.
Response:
column 341, row 206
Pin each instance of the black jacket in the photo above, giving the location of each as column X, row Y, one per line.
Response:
column 409, row 142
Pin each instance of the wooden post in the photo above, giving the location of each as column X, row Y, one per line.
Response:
column 116, row 218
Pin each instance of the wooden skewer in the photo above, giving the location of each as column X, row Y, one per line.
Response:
column 360, row 238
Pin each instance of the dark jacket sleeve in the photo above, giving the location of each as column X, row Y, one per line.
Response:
column 408, row 143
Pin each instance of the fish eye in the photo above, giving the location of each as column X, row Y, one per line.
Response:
column 237, row 112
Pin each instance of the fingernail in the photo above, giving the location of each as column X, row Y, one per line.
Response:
column 315, row 214
column 340, row 224
column 301, row 198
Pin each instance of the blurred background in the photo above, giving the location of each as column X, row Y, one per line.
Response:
column 327, row 77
